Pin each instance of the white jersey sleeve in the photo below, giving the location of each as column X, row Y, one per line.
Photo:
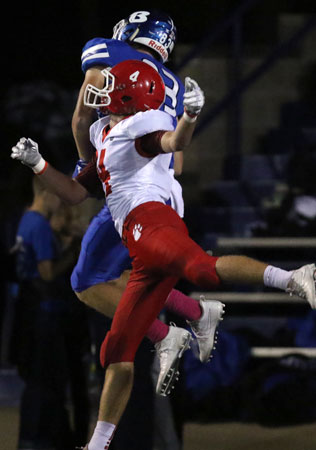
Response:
column 147, row 122
column 96, row 130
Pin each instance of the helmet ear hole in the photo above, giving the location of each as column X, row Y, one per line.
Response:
column 152, row 85
column 126, row 98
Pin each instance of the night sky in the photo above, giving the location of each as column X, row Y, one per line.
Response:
column 45, row 39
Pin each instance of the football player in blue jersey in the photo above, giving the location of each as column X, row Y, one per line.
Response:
column 102, row 271
column 146, row 36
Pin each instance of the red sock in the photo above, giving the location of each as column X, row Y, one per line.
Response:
column 157, row 331
column 183, row 306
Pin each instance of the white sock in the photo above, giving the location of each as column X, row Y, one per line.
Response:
column 276, row 278
column 102, row 436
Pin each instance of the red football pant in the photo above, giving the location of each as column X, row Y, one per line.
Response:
column 162, row 252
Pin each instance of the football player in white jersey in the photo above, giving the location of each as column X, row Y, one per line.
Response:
column 103, row 266
column 133, row 150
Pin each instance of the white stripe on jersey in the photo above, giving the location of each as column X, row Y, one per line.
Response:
column 95, row 52
column 96, row 56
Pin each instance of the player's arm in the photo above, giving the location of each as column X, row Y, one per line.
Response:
column 152, row 144
column 180, row 138
column 69, row 190
column 84, row 116
column 178, row 163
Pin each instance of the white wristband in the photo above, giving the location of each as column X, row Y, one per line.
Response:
column 40, row 167
column 188, row 118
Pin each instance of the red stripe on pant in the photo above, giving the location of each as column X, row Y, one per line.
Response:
column 162, row 252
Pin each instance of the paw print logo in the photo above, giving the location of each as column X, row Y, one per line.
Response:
column 137, row 232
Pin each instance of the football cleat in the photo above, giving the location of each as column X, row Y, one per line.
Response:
column 302, row 283
column 170, row 351
column 205, row 328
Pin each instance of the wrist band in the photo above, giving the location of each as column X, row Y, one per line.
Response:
column 40, row 167
column 189, row 118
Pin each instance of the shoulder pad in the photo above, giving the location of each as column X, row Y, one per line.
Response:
column 147, row 122
column 104, row 52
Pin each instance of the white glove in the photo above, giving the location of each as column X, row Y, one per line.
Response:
column 26, row 151
column 193, row 99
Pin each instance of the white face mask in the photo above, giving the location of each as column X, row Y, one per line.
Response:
column 96, row 98
column 118, row 27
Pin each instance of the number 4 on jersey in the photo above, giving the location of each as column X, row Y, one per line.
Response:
column 134, row 76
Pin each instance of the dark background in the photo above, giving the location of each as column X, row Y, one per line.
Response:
column 45, row 39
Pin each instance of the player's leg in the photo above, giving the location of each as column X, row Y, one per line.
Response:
column 104, row 297
column 140, row 304
column 168, row 341
column 116, row 391
column 203, row 316
column 114, row 397
column 207, row 271
column 102, row 271
column 241, row 269
column 100, row 278
column 165, row 244
column 102, row 262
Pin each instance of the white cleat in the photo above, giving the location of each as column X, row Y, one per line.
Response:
column 205, row 328
column 170, row 351
column 302, row 283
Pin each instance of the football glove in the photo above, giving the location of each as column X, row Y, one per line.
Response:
column 193, row 99
column 26, row 151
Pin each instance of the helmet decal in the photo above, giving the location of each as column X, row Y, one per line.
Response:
column 152, row 29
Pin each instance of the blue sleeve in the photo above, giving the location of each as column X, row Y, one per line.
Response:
column 81, row 164
column 105, row 52
column 179, row 107
column 43, row 241
column 171, row 165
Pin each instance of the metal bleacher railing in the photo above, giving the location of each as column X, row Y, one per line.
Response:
column 271, row 242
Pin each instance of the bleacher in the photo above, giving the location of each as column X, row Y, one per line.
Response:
column 231, row 217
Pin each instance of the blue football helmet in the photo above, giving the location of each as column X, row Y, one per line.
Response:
column 152, row 29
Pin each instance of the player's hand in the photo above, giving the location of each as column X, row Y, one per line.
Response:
column 193, row 99
column 26, row 151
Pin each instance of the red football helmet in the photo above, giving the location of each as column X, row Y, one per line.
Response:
column 130, row 86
